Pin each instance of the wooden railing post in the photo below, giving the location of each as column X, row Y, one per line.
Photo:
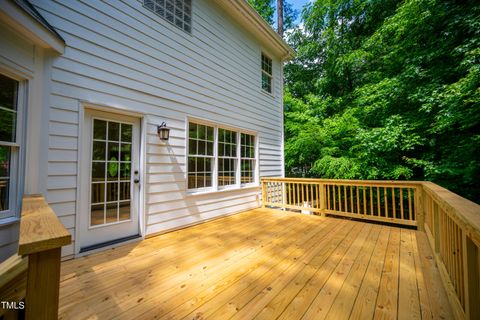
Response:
column 43, row 278
column 323, row 199
column 42, row 236
column 419, row 213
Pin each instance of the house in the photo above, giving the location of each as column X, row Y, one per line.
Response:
column 135, row 118
column 88, row 86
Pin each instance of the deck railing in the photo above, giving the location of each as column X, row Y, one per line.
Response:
column 386, row 201
column 451, row 222
column 34, row 274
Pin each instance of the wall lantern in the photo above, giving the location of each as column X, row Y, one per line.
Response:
column 163, row 131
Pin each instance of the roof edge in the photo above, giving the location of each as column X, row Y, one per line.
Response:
column 33, row 12
column 251, row 20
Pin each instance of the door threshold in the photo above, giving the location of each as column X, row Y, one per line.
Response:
column 108, row 243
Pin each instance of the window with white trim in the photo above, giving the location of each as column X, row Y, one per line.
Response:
column 200, row 156
column 227, row 157
column 267, row 74
column 219, row 158
column 9, row 145
column 247, row 155
column 177, row 12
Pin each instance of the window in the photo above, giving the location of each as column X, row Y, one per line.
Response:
column 9, row 147
column 266, row 73
column 230, row 152
column 177, row 12
column 227, row 157
column 200, row 156
column 247, row 150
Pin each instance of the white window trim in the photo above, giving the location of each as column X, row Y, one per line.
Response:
column 215, row 188
column 17, row 154
column 263, row 53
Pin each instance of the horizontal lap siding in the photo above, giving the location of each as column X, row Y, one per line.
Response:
column 19, row 54
column 120, row 54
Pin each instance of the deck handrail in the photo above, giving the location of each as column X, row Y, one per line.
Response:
column 384, row 201
column 452, row 223
column 42, row 236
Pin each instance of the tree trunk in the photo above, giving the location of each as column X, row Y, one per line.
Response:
column 280, row 17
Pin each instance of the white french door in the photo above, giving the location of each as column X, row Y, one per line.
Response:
column 110, row 208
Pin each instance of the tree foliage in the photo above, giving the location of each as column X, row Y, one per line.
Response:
column 266, row 8
column 386, row 89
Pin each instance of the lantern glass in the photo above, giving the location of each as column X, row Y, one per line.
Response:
column 163, row 132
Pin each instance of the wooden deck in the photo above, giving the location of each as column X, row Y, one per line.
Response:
column 261, row 264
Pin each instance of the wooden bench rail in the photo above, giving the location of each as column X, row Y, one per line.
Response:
column 42, row 236
column 452, row 223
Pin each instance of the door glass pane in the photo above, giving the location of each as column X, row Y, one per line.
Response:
column 97, row 214
column 126, row 130
column 113, row 131
column 111, row 172
column 126, row 152
column 111, row 212
column 113, row 151
column 112, row 191
column 98, row 193
column 124, row 210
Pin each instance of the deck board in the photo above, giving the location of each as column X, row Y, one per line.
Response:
column 259, row 264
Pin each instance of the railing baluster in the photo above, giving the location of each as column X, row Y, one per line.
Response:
column 385, row 197
column 364, row 193
column 351, row 199
column 410, row 216
column 334, row 198
column 371, row 201
column 345, row 197
column 393, row 204
column 312, row 196
column 401, row 204
column 339, row 198
column 378, row 202
column 357, row 189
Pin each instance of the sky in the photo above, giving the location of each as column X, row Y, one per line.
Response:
column 298, row 5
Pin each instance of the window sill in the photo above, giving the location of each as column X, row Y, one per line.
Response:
column 8, row 221
column 268, row 94
column 200, row 193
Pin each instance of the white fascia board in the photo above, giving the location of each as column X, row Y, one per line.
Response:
column 17, row 19
column 249, row 19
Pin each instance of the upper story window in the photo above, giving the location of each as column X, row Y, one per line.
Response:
column 9, row 145
column 177, row 12
column 266, row 73
column 219, row 158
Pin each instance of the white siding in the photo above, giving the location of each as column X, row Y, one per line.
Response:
column 122, row 55
column 16, row 57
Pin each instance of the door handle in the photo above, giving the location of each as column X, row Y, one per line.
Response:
column 136, row 180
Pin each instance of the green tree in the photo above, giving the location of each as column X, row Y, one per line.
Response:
column 266, row 8
column 386, row 89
